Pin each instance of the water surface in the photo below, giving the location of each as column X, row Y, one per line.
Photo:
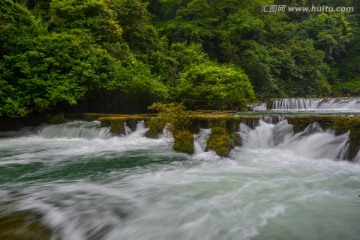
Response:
column 90, row 185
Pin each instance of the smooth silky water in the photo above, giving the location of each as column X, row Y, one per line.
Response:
column 306, row 106
column 85, row 184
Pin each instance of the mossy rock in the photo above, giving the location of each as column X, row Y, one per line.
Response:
column 350, row 123
column 155, row 128
column 236, row 139
column 219, row 140
column 232, row 125
column 117, row 126
column 22, row 225
column 184, row 141
column 221, row 144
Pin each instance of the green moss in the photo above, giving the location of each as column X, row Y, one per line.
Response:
column 352, row 124
column 236, row 139
column 179, row 120
column 219, row 140
column 22, row 225
column 223, row 123
column 221, row 144
column 184, row 141
column 117, row 126
column 155, row 128
column 232, row 125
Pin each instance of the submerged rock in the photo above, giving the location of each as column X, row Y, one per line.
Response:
column 23, row 226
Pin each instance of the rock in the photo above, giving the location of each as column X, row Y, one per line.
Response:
column 184, row 141
column 219, row 140
column 22, row 225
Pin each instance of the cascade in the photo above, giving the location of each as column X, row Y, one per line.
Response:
column 140, row 130
column 316, row 104
column 75, row 129
column 357, row 158
column 80, row 182
column 313, row 142
column 310, row 104
column 127, row 129
column 200, row 140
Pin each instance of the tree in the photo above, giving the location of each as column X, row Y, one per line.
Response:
column 54, row 68
column 17, row 23
column 212, row 86
column 258, row 63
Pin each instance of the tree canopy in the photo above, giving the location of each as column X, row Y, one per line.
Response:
column 124, row 55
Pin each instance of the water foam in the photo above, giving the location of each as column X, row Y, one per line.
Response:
column 200, row 140
column 261, row 193
column 316, row 104
column 311, row 105
column 75, row 129
column 313, row 142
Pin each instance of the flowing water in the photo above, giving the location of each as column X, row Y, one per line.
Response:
column 85, row 184
column 311, row 105
column 317, row 104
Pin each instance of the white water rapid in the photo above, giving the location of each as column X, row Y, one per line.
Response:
column 85, row 184
column 313, row 142
column 200, row 140
column 320, row 105
column 75, row 129
column 317, row 104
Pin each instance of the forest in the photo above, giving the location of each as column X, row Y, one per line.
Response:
column 123, row 55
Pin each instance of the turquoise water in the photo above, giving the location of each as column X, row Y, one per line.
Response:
column 90, row 185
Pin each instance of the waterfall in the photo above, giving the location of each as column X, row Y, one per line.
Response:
column 357, row 158
column 167, row 135
column 87, row 130
column 310, row 104
column 76, row 129
column 260, row 137
column 200, row 140
column 316, row 104
column 127, row 129
column 313, row 142
column 140, row 130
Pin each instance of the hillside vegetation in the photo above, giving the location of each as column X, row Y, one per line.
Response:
column 124, row 55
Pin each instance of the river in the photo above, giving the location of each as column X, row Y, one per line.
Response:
column 86, row 184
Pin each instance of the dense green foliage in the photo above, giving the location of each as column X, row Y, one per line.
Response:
column 216, row 86
column 123, row 55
